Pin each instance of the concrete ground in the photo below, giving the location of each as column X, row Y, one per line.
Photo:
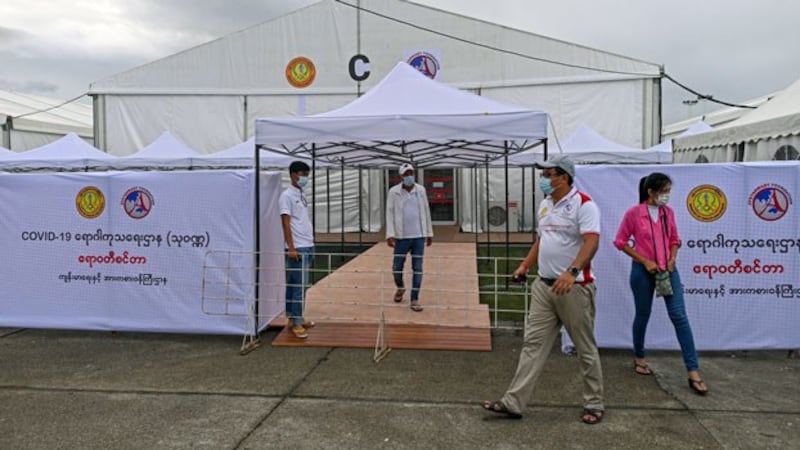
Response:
column 98, row 390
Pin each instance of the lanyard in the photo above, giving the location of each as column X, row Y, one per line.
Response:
column 663, row 219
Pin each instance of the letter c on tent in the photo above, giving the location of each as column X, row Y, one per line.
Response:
column 359, row 67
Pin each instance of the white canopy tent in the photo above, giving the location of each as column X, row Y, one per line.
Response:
column 166, row 152
column 4, row 151
column 666, row 146
column 587, row 146
column 68, row 153
column 409, row 117
column 243, row 156
column 771, row 131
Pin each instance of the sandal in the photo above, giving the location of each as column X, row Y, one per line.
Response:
column 398, row 296
column 299, row 332
column 499, row 408
column 416, row 306
column 309, row 324
column 592, row 416
column 642, row 368
column 694, row 384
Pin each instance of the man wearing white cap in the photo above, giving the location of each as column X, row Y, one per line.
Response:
column 408, row 229
column 563, row 293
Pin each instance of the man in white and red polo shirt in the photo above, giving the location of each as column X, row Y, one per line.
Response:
column 563, row 293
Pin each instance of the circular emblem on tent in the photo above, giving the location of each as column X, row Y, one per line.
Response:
column 770, row 201
column 300, row 72
column 706, row 203
column 426, row 63
column 90, row 202
column 137, row 202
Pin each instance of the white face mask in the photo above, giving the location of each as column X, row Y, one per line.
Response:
column 302, row 181
column 662, row 199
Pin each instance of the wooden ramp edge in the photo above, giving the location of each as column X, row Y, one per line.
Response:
column 397, row 336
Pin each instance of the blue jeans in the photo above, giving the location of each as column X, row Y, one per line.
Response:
column 297, row 281
column 643, row 286
column 417, row 248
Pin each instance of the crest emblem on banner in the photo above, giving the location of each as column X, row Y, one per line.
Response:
column 706, row 203
column 90, row 202
column 426, row 63
column 770, row 201
column 137, row 202
column 300, row 72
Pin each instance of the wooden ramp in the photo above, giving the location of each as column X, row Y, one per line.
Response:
column 348, row 304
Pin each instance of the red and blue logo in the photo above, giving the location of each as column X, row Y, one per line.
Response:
column 137, row 202
column 770, row 201
column 426, row 63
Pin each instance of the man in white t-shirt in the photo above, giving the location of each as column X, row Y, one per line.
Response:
column 408, row 229
column 298, row 236
column 563, row 293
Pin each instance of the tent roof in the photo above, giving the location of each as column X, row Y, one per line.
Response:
column 778, row 117
column 243, row 155
column 166, row 152
column 408, row 117
column 587, row 146
column 72, row 117
column 69, row 152
column 252, row 61
column 697, row 128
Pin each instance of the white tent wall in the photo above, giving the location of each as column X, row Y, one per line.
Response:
column 228, row 82
column 205, row 123
column 780, row 149
column 24, row 128
column 601, row 106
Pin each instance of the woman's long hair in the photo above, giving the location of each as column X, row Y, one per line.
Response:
column 655, row 181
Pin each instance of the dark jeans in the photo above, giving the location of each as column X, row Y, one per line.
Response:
column 401, row 248
column 643, row 287
column 297, row 281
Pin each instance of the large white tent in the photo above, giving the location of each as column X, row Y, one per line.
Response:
column 771, row 131
column 225, row 84
column 24, row 128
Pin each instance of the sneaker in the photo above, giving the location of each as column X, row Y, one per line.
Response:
column 308, row 324
column 299, row 332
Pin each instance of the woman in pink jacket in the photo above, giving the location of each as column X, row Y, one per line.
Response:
column 648, row 235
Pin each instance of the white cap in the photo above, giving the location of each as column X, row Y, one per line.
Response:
column 405, row 167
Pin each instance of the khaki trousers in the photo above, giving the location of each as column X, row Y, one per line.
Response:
column 548, row 312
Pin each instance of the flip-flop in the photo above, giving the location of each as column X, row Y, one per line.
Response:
column 398, row 296
column 693, row 384
column 595, row 414
column 498, row 407
column 416, row 306
column 642, row 368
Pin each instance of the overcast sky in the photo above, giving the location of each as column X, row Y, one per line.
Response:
column 735, row 50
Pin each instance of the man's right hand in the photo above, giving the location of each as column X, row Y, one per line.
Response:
column 390, row 242
column 520, row 271
column 293, row 255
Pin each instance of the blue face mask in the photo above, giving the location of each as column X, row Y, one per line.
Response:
column 545, row 186
column 302, row 181
column 409, row 180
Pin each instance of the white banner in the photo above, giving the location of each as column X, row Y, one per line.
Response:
column 121, row 250
column 739, row 262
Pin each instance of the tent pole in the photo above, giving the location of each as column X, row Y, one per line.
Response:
column 488, row 230
column 360, row 193
column 257, row 240
column 474, row 189
column 342, row 211
column 313, row 211
column 508, row 225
